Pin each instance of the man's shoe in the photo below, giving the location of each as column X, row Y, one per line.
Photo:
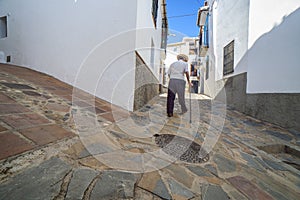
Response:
column 170, row 114
column 183, row 112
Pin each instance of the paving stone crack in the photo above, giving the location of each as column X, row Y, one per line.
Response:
column 64, row 186
column 89, row 189
column 151, row 192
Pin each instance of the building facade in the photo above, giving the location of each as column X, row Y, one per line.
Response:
column 96, row 46
column 250, row 50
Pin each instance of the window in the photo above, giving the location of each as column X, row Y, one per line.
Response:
column 154, row 10
column 3, row 27
column 228, row 58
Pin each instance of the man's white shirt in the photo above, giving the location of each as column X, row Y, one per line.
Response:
column 177, row 70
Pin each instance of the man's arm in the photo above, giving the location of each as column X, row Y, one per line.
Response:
column 169, row 71
column 188, row 78
column 186, row 71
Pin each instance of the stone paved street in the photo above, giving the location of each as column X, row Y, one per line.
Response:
column 57, row 142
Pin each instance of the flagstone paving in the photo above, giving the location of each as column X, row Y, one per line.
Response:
column 57, row 142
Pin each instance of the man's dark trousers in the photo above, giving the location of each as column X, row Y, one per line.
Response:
column 176, row 86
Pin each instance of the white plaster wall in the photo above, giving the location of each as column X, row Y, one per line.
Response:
column 266, row 14
column 231, row 23
column 147, row 34
column 275, row 45
column 269, row 52
column 73, row 41
column 228, row 20
column 180, row 47
column 170, row 58
column 209, row 84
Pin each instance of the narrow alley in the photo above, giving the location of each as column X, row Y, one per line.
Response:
column 57, row 145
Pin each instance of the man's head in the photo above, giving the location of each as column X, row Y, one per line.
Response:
column 183, row 57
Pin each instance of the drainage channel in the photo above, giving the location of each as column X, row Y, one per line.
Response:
column 285, row 153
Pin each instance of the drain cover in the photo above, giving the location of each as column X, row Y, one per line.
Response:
column 181, row 148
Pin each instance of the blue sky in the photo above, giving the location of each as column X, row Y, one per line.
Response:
column 182, row 16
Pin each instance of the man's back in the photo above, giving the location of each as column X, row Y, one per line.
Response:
column 177, row 70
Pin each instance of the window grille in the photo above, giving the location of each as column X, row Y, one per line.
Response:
column 228, row 58
column 3, row 27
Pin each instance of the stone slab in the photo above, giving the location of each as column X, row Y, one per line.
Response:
column 214, row 192
column 224, row 164
column 2, row 128
column 280, row 135
column 212, row 169
column 6, row 99
column 114, row 116
column 252, row 162
column 180, row 174
column 272, row 191
column 80, row 181
column 95, row 110
column 161, row 190
column 41, row 182
column 248, row 188
column 153, row 183
column 42, row 135
column 24, row 120
column 12, row 108
column 11, row 144
column 275, row 165
column 199, row 171
column 58, row 107
column 114, row 185
column 178, row 191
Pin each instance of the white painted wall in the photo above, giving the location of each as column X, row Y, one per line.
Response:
column 210, row 87
column 147, row 35
column 228, row 20
column 180, row 47
column 170, row 58
column 267, row 14
column 267, row 43
column 275, row 45
column 76, row 42
column 231, row 24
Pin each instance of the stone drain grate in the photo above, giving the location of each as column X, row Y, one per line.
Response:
column 181, row 148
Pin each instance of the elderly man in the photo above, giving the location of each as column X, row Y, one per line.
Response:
column 177, row 83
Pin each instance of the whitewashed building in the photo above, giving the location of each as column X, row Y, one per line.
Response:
column 188, row 46
column 251, row 49
column 103, row 47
